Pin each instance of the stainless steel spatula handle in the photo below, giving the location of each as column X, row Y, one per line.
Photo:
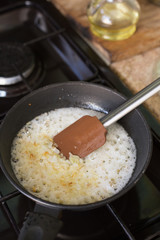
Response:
column 131, row 104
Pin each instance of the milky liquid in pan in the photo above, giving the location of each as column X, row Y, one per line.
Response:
column 44, row 173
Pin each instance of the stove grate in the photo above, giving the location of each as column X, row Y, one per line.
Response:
column 9, row 216
column 15, row 227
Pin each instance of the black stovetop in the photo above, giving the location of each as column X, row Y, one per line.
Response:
column 62, row 55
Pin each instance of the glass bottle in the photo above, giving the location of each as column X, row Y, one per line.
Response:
column 113, row 19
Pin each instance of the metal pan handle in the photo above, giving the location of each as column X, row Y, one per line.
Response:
column 131, row 104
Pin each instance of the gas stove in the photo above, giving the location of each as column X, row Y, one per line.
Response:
column 39, row 47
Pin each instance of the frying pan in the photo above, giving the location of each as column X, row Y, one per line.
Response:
column 73, row 94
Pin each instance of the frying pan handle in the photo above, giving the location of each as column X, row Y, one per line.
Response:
column 40, row 225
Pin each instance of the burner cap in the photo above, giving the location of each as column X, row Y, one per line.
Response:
column 16, row 61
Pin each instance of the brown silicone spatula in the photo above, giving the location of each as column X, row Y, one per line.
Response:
column 89, row 133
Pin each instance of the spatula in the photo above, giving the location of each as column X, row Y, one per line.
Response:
column 89, row 133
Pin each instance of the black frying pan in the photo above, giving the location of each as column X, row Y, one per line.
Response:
column 73, row 94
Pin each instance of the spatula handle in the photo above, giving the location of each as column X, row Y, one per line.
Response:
column 131, row 104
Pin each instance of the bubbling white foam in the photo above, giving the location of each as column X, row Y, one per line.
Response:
column 45, row 173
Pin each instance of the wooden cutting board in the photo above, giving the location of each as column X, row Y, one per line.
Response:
column 146, row 37
column 136, row 60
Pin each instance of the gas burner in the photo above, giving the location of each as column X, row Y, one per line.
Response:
column 16, row 60
column 20, row 71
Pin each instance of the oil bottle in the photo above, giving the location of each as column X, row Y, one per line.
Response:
column 113, row 19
